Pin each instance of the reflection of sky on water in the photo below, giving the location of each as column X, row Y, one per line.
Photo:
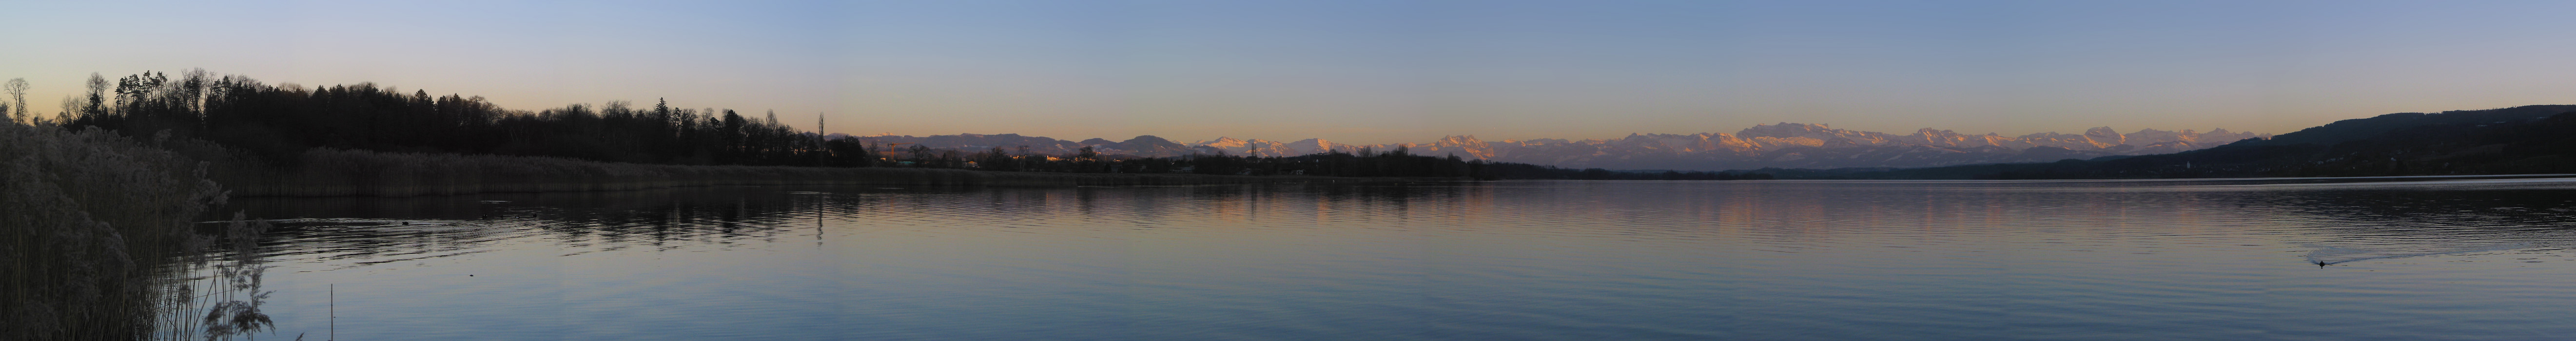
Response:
column 2412, row 258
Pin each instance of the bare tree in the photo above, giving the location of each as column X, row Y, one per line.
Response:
column 17, row 88
column 72, row 105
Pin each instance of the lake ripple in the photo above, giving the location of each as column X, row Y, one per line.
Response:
column 2395, row 259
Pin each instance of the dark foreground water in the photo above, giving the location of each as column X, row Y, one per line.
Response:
column 2412, row 259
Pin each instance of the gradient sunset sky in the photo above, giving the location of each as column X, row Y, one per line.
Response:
column 1364, row 71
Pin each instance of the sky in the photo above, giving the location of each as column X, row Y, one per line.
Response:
column 1363, row 71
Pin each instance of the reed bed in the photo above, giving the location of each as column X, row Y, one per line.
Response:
column 336, row 172
column 96, row 239
column 91, row 226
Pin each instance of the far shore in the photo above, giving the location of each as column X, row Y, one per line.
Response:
column 326, row 173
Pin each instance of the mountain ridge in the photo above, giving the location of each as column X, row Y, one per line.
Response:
column 2517, row 140
column 1780, row 145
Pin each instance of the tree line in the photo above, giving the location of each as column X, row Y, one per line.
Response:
column 276, row 123
column 1366, row 162
column 2518, row 140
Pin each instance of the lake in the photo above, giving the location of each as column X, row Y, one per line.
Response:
column 2295, row 259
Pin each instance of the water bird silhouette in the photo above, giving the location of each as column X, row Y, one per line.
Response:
column 2329, row 255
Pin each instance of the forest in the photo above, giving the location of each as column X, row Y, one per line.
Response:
column 2518, row 140
column 276, row 124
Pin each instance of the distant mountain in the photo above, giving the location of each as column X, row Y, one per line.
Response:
column 1794, row 145
column 2518, row 140
column 2363, row 128
column 1783, row 145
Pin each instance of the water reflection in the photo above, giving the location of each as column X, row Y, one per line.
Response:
column 2411, row 258
column 2373, row 221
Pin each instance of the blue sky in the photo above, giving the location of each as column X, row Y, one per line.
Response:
column 1364, row 71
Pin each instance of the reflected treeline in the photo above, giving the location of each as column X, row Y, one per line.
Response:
column 2422, row 213
column 2356, row 224
column 413, row 228
column 396, row 229
column 1785, row 215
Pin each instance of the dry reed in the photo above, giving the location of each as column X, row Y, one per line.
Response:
column 226, row 303
column 93, row 222
column 96, row 240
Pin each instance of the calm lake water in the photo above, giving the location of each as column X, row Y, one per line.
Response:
column 2404, row 259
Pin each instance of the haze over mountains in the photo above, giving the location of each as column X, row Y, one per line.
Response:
column 1783, row 145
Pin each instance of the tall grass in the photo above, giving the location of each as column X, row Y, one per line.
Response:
column 216, row 292
column 90, row 225
column 96, row 241
column 336, row 172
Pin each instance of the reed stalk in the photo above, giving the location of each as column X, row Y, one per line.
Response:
column 94, row 222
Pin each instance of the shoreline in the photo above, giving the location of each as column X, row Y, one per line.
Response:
column 342, row 173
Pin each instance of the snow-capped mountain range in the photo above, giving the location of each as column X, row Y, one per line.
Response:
column 1784, row 145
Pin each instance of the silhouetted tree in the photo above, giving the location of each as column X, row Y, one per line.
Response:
column 17, row 88
column 97, row 96
column 277, row 123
